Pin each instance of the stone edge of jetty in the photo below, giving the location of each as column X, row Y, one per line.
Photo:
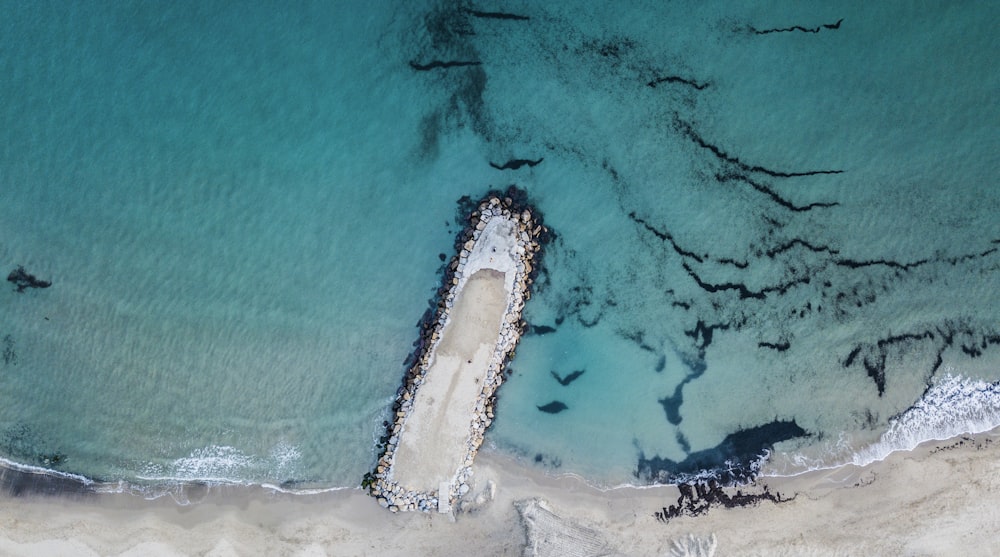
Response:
column 532, row 235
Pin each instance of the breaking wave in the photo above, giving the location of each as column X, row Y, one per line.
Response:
column 954, row 405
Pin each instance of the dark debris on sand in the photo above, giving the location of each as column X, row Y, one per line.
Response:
column 698, row 498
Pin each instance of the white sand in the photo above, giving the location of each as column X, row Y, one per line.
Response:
column 923, row 502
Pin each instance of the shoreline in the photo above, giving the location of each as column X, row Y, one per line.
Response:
column 889, row 507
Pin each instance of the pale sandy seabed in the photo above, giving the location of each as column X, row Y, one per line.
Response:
column 941, row 499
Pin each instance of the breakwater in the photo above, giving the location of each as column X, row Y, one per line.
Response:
column 448, row 396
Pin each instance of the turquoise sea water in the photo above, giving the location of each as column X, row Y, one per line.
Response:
column 789, row 242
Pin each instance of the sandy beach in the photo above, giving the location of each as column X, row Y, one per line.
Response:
column 940, row 499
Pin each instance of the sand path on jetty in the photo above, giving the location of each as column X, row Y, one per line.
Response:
column 434, row 444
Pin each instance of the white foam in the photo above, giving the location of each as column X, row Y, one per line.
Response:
column 225, row 465
column 44, row 471
column 954, row 406
column 307, row 491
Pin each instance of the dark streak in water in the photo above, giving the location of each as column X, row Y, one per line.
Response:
column 515, row 164
column 734, row 176
column 799, row 28
column 734, row 263
column 438, row 64
column 677, row 79
column 498, row 15
column 854, row 264
column 666, row 237
column 779, row 346
column 714, row 288
column 799, row 242
column 963, row 258
column 741, row 288
column 686, row 129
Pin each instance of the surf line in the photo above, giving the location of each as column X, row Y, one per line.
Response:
column 448, row 396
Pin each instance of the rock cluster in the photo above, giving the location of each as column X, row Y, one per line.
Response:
column 532, row 234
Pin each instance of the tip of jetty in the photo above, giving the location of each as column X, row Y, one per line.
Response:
column 448, row 395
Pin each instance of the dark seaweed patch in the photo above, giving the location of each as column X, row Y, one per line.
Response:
column 779, row 346
column 687, row 130
column 744, row 292
column 23, row 444
column 661, row 363
column 572, row 376
column 548, row 460
column 799, row 242
column 666, row 237
column 498, row 15
column 677, row 79
column 733, row 262
column 723, row 178
column 553, row 407
column 697, row 498
column 854, row 264
column 731, row 462
column 9, row 355
column 441, row 64
column 672, row 404
column 23, row 280
column 799, row 28
column 614, row 48
column 515, row 164
column 446, row 44
column 742, row 289
column 541, row 330
column 704, row 332
column 873, row 356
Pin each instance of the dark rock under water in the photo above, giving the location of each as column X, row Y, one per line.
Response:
column 730, row 462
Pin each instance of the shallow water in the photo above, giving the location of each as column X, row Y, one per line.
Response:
column 241, row 211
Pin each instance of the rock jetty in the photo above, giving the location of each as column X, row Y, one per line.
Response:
column 422, row 467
